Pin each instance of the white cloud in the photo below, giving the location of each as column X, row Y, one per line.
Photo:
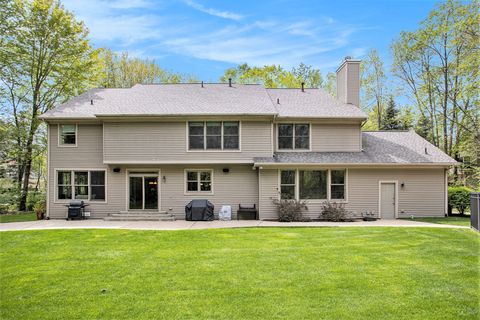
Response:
column 214, row 12
column 280, row 43
column 150, row 29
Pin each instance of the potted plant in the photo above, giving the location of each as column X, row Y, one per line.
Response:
column 40, row 208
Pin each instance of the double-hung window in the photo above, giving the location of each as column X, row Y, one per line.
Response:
column 198, row 181
column 294, row 136
column 337, row 184
column 287, row 184
column 67, row 135
column 313, row 184
column 214, row 135
column 81, row 185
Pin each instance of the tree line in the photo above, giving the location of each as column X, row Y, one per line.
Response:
column 46, row 58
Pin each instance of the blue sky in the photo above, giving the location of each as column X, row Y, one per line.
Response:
column 205, row 37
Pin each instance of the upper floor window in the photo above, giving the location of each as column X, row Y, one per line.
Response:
column 214, row 135
column 294, row 136
column 68, row 134
column 84, row 185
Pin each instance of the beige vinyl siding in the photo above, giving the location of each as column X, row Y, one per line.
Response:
column 268, row 184
column 167, row 141
column 422, row 195
column 87, row 155
column 330, row 137
column 353, row 83
column 239, row 185
column 336, row 137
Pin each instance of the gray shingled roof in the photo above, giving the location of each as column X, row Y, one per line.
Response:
column 379, row 147
column 312, row 103
column 212, row 99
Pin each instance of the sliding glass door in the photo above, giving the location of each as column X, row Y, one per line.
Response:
column 143, row 191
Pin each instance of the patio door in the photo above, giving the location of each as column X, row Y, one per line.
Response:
column 143, row 191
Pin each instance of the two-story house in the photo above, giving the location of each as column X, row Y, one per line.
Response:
column 156, row 147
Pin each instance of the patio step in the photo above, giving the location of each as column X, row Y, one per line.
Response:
column 140, row 216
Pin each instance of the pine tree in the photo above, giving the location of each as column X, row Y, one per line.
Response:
column 423, row 126
column 390, row 119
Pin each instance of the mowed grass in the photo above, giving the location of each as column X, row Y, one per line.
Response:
column 251, row 273
column 18, row 217
column 458, row 221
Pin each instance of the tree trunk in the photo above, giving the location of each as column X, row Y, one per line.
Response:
column 26, row 176
column 445, row 98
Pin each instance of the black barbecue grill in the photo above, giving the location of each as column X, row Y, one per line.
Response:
column 199, row 210
column 76, row 210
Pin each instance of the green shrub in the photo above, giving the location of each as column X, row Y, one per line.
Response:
column 459, row 198
column 8, row 196
column 34, row 197
column 333, row 211
column 290, row 210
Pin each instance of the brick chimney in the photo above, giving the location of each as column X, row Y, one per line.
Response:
column 348, row 81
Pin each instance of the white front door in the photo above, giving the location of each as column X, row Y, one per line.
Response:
column 387, row 200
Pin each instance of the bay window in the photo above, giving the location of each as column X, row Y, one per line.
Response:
column 313, row 184
column 214, row 135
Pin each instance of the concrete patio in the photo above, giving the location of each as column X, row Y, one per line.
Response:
column 185, row 225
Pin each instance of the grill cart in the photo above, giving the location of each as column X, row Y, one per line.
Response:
column 199, row 210
column 76, row 210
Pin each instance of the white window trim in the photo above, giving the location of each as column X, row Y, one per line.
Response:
column 185, row 184
column 277, row 148
column 64, row 201
column 297, row 185
column 187, row 137
column 294, row 184
column 150, row 172
column 337, row 184
column 59, row 135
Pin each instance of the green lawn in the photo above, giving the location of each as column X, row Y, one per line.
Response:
column 458, row 221
column 18, row 217
column 251, row 273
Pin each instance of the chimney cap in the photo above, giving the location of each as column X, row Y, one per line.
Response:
column 347, row 59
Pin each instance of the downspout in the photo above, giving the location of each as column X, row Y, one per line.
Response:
column 47, row 185
column 446, row 191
